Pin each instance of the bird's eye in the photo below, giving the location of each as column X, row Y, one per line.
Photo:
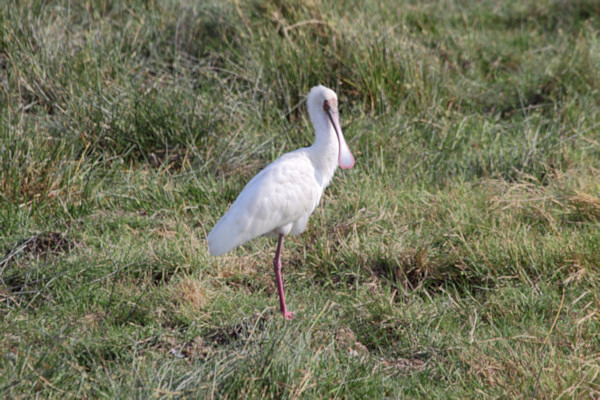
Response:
column 326, row 105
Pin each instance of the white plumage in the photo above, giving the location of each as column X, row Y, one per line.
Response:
column 280, row 199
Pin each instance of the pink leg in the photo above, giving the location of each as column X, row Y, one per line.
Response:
column 277, row 264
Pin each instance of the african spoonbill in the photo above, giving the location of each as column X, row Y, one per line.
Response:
column 280, row 198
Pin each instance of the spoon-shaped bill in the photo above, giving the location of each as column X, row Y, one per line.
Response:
column 345, row 157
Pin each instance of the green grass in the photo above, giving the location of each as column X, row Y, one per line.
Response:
column 459, row 258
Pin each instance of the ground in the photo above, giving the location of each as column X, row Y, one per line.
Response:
column 459, row 258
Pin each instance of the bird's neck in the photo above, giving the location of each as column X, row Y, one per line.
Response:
column 324, row 151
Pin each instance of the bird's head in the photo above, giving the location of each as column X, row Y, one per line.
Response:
column 322, row 106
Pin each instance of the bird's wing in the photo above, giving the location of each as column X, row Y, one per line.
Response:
column 282, row 193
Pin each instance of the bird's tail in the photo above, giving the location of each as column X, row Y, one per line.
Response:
column 218, row 242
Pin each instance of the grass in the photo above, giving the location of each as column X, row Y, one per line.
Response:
column 459, row 258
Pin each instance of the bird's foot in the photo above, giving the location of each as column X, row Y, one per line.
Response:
column 288, row 315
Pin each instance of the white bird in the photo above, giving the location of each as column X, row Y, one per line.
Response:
column 280, row 198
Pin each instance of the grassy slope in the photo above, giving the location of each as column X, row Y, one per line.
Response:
column 458, row 258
